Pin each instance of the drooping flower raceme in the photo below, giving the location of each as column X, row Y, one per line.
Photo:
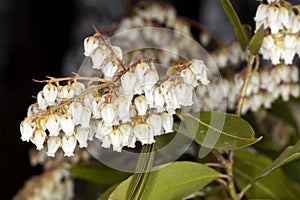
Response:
column 282, row 26
column 128, row 104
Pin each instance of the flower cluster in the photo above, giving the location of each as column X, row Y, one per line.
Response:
column 130, row 104
column 282, row 24
column 52, row 184
column 265, row 86
column 168, row 43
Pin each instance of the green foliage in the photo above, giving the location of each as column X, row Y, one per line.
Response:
column 220, row 130
column 240, row 32
column 97, row 173
column 140, row 179
column 276, row 185
column 256, row 41
column 173, row 181
column 291, row 153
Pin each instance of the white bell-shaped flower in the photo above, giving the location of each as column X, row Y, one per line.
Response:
column 42, row 102
column 150, row 79
column 155, row 123
column 167, row 122
column 78, row 87
column 123, row 108
column 116, row 138
column 50, row 92
column 39, row 138
column 143, row 133
column 90, row 44
column 275, row 55
column 96, row 103
column 81, row 135
column 102, row 130
column 98, row 56
column 273, row 14
column 184, row 93
column 27, row 128
column 189, row 77
column 295, row 25
column 109, row 70
column 87, row 100
column 108, row 114
column 128, row 138
column 118, row 52
column 66, row 92
column 106, row 142
column 129, row 83
column 140, row 72
column 53, row 124
column 141, row 104
column 53, row 143
column 256, row 102
column 32, row 110
column 168, row 91
column 200, row 70
column 68, row 145
column 159, row 100
column 284, row 17
column 75, row 110
column 285, row 92
column 85, row 117
column 149, row 95
column 67, row 124
column 261, row 13
column 288, row 56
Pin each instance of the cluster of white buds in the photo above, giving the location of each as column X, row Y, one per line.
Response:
column 268, row 85
column 230, row 55
column 282, row 29
column 265, row 86
column 130, row 104
column 55, row 183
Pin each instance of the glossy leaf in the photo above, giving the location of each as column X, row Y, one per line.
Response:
column 220, row 130
column 291, row 153
column 140, row 179
column 234, row 19
column 97, row 173
column 256, row 41
column 174, row 181
column 107, row 193
column 275, row 186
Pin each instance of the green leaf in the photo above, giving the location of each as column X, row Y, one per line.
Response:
column 256, row 41
column 234, row 19
column 174, row 181
column 107, row 193
column 291, row 153
column 97, row 173
column 140, row 179
column 220, row 130
column 275, row 186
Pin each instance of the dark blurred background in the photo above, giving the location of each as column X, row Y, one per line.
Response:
column 44, row 38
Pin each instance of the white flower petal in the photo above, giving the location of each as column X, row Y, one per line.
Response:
column 68, row 145
column 53, row 124
column 53, row 143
